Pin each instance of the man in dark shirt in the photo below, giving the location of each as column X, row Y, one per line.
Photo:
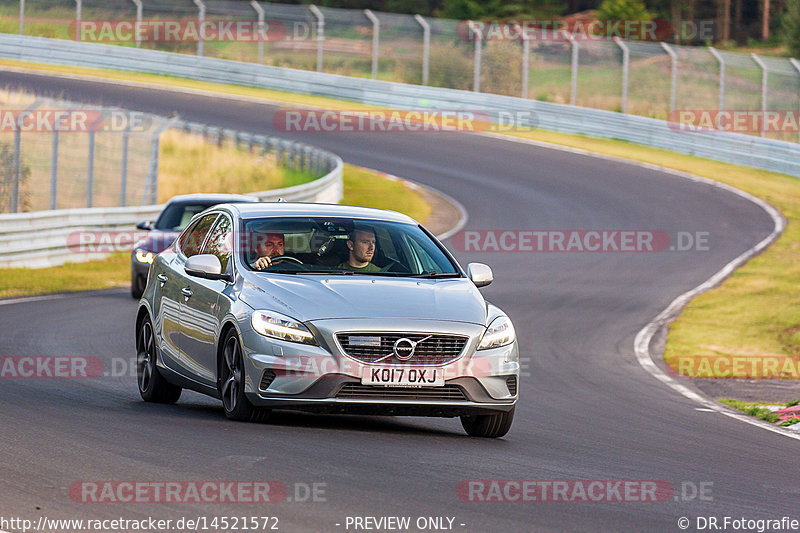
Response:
column 361, row 244
column 267, row 246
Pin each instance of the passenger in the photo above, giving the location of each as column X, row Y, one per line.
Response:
column 361, row 243
column 267, row 247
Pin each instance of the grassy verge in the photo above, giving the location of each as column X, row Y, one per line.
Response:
column 759, row 411
column 361, row 187
column 755, row 312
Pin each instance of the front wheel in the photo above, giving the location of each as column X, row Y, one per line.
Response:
column 490, row 426
column 152, row 385
column 231, row 383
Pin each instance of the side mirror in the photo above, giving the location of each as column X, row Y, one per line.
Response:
column 480, row 274
column 205, row 266
column 145, row 225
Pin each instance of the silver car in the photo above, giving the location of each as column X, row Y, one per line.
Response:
column 357, row 310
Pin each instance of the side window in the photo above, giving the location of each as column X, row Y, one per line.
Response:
column 220, row 242
column 192, row 241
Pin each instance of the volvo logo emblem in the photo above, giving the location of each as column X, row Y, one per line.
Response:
column 403, row 349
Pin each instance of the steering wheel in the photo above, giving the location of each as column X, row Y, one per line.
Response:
column 392, row 263
column 286, row 258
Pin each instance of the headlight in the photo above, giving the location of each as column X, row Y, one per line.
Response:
column 143, row 256
column 499, row 333
column 280, row 326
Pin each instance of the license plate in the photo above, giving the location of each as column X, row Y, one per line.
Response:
column 403, row 377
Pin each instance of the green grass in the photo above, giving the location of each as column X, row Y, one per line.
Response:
column 366, row 188
column 759, row 411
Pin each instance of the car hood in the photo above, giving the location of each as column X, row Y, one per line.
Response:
column 157, row 241
column 307, row 298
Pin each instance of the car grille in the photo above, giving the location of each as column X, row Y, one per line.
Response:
column 359, row 391
column 438, row 349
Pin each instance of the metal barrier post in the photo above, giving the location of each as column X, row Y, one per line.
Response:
column 201, row 20
column 137, row 29
column 476, row 70
column 90, row 172
column 573, row 94
column 151, row 184
column 261, row 33
column 54, row 171
column 721, row 61
column 526, row 60
column 426, row 47
column 796, row 65
column 320, row 33
column 123, row 192
column 376, row 35
column 626, row 68
column 673, row 84
column 764, row 81
column 21, row 20
column 78, row 17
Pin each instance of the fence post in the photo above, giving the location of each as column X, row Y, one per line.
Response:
column 526, row 59
column 476, row 68
column 796, row 65
column 721, row 61
column 17, row 168
column 426, row 46
column 90, row 172
column 573, row 94
column 151, row 184
column 764, row 81
column 123, row 188
column 54, row 171
column 21, row 20
column 78, row 17
column 136, row 30
column 201, row 19
column 673, row 84
column 320, row 33
column 626, row 67
column 376, row 36
column 261, row 34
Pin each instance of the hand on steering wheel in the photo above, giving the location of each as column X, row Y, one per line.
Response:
column 263, row 262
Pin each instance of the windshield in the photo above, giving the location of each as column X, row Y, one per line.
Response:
column 306, row 245
column 176, row 216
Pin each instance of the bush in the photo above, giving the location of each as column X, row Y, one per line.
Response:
column 790, row 27
column 450, row 66
column 501, row 68
column 623, row 10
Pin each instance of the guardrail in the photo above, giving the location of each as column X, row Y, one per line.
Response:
column 768, row 154
column 42, row 238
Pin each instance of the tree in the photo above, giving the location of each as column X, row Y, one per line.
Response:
column 623, row 10
column 790, row 27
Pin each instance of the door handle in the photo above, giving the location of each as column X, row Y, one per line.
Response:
column 162, row 278
column 186, row 291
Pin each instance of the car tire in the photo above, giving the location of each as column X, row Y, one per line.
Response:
column 489, row 426
column 231, row 383
column 152, row 385
column 138, row 284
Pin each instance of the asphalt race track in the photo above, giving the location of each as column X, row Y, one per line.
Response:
column 587, row 410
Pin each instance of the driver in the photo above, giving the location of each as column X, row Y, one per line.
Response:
column 268, row 245
column 361, row 243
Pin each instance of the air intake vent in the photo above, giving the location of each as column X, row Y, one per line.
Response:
column 266, row 379
column 357, row 390
column 511, row 382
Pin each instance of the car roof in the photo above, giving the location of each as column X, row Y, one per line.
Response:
column 216, row 198
column 299, row 209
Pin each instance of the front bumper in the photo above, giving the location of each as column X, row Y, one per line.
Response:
column 288, row 375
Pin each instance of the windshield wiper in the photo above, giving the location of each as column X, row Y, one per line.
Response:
column 436, row 275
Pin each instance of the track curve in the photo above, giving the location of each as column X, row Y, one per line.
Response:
column 587, row 410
